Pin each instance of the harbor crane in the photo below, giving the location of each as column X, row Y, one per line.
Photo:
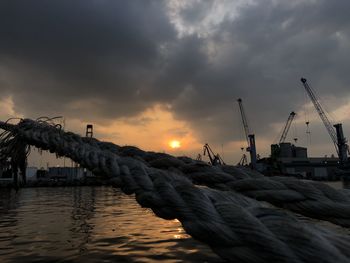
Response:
column 336, row 134
column 287, row 127
column 243, row 161
column 215, row 159
column 275, row 148
column 249, row 137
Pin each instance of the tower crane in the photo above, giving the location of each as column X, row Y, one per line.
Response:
column 336, row 134
column 249, row 137
column 287, row 126
column 215, row 159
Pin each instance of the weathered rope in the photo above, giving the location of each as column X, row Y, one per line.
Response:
column 237, row 228
column 312, row 199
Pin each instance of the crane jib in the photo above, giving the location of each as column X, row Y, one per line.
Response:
column 335, row 131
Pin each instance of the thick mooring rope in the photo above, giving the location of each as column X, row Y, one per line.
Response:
column 312, row 199
column 236, row 227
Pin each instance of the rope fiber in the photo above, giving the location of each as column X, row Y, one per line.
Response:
column 237, row 227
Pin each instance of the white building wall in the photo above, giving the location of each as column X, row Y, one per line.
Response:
column 31, row 173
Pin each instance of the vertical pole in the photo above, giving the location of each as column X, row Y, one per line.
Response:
column 252, row 151
column 341, row 143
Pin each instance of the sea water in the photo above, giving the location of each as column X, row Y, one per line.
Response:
column 89, row 224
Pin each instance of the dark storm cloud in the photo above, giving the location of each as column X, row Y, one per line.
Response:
column 266, row 51
column 106, row 59
column 71, row 54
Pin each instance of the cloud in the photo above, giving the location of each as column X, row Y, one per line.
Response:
column 107, row 61
column 260, row 56
column 62, row 56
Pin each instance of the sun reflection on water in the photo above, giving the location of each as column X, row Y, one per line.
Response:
column 90, row 224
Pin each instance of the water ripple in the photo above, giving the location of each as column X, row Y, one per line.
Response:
column 90, row 224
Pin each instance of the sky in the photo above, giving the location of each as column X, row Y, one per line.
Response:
column 147, row 72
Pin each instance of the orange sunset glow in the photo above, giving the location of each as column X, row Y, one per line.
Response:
column 154, row 129
column 174, row 144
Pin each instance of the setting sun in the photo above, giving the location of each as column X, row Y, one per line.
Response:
column 174, row 144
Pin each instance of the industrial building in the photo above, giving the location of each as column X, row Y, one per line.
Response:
column 33, row 174
column 291, row 160
column 65, row 173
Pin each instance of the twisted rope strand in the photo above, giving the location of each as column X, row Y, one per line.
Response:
column 237, row 228
column 312, row 199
